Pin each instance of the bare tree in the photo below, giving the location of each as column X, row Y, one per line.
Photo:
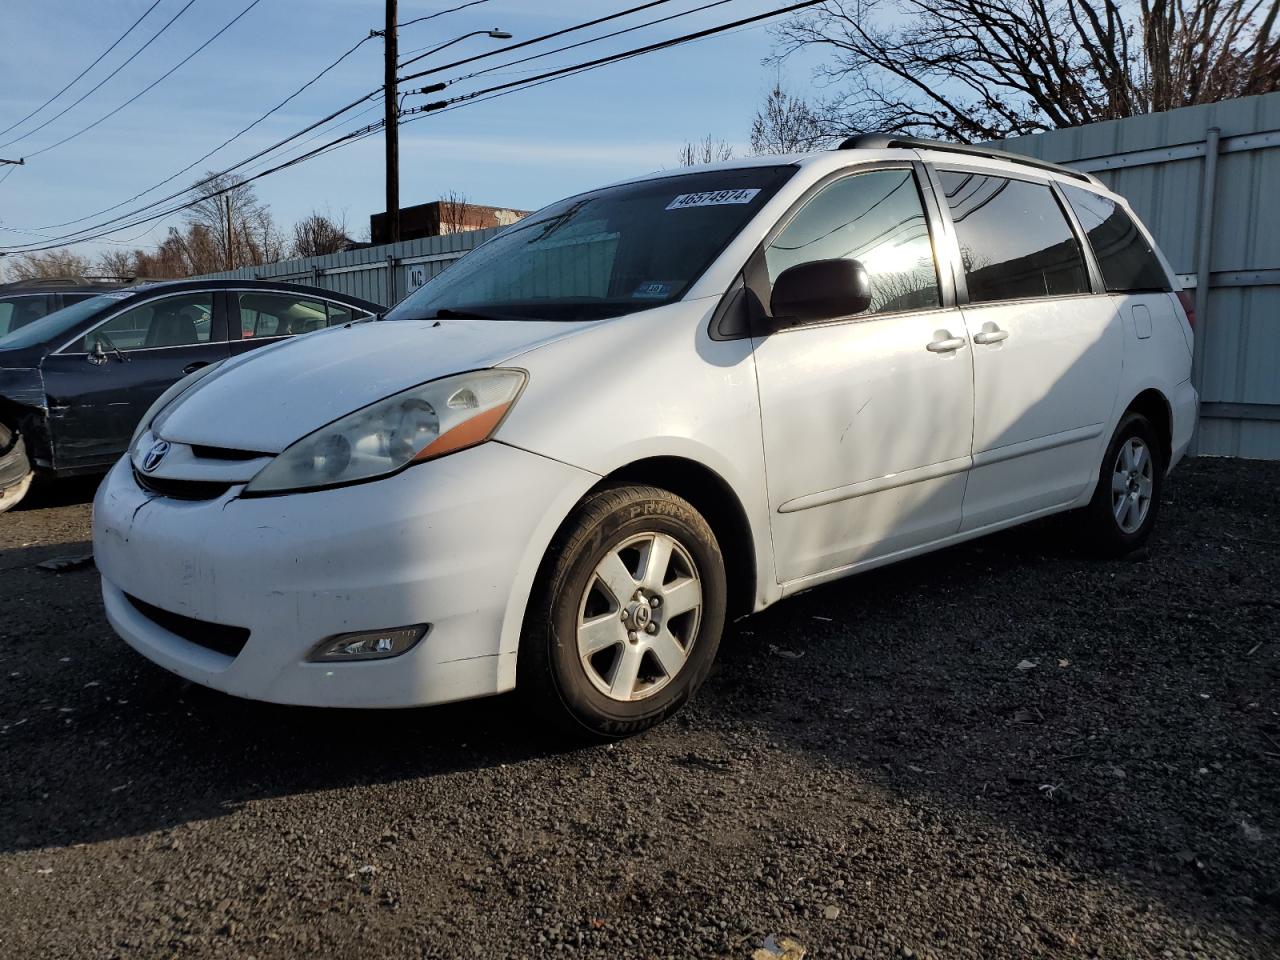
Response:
column 454, row 213
column 988, row 69
column 318, row 234
column 238, row 224
column 786, row 124
column 51, row 263
column 709, row 150
column 117, row 264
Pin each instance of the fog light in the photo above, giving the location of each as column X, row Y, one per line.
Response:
column 370, row 645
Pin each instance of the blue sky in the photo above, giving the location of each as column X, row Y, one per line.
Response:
column 522, row 150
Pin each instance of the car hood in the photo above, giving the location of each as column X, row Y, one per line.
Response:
column 272, row 396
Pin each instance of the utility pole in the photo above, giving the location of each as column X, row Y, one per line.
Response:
column 231, row 249
column 20, row 162
column 392, row 129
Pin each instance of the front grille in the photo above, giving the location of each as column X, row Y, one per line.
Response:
column 182, row 489
column 218, row 637
column 226, row 453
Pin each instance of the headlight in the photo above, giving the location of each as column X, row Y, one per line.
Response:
column 423, row 423
column 167, row 398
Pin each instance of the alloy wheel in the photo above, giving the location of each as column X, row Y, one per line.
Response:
column 639, row 616
column 1132, row 483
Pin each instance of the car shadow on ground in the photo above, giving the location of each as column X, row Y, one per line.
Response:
column 1108, row 713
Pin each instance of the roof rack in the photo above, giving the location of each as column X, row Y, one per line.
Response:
column 884, row 141
column 71, row 281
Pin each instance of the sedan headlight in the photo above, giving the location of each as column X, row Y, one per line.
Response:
column 166, row 399
column 422, row 423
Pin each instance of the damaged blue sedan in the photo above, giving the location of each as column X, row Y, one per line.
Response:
column 75, row 383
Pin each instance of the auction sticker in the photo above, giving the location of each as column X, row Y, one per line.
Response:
column 713, row 198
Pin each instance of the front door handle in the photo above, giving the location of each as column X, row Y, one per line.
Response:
column 945, row 343
column 990, row 333
column 193, row 367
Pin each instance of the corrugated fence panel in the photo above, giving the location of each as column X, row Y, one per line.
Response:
column 1158, row 163
column 364, row 273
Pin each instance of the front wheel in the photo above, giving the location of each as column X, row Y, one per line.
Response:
column 625, row 619
column 15, row 469
column 1122, row 513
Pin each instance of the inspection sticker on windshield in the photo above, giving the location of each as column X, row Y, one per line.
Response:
column 713, row 198
column 653, row 290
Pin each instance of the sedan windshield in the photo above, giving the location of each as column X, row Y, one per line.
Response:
column 601, row 254
column 57, row 323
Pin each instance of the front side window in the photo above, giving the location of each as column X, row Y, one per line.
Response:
column 280, row 315
column 179, row 321
column 1126, row 259
column 601, row 254
column 876, row 218
column 1015, row 241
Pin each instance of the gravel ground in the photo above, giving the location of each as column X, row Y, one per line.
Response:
column 1002, row 750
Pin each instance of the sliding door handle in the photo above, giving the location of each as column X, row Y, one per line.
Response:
column 946, row 343
column 990, row 333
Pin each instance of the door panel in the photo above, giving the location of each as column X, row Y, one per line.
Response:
column 867, row 422
column 96, row 401
column 1043, row 397
column 1047, row 350
column 867, row 437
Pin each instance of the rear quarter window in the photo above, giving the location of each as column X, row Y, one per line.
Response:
column 1125, row 257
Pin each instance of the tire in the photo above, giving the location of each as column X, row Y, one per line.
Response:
column 598, row 656
column 15, row 465
column 1119, row 520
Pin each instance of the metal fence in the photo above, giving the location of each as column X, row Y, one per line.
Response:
column 1206, row 180
column 384, row 274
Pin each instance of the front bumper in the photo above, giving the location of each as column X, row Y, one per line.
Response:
column 454, row 543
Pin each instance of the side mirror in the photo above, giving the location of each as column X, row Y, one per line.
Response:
column 97, row 355
column 820, row 290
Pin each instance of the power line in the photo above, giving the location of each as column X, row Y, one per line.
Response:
column 117, row 42
column 589, row 40
column 224, row 143
column 525, row 43
column 75, row 235
column 316, row 152
column 614, row 57
column 440, row 13
column 155, row 36
column 153, row 84
column 105, row 229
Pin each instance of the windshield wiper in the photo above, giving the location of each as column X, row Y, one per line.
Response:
column 445, row 313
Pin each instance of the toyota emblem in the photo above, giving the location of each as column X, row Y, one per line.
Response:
column 155, row 455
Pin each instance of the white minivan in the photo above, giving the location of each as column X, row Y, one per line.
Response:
column 565, row 461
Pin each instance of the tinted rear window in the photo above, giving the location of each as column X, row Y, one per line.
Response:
column 1014, row 239
column 1127, row 261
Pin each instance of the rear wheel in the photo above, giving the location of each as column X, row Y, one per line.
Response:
column 1122, row 513
column 625, row 620
column 16, row 472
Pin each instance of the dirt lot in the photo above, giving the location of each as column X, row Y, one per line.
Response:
column 869, row 772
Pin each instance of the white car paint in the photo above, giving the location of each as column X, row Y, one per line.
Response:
column 847, row 445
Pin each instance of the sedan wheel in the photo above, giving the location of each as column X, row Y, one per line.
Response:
column 15, row 469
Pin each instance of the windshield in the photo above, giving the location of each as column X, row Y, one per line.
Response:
column 601, row 254
column 57, row 323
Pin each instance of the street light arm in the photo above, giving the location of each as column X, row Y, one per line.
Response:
column 497, row 34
